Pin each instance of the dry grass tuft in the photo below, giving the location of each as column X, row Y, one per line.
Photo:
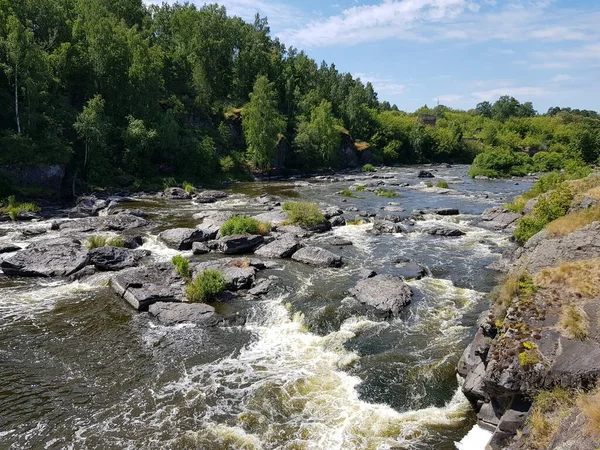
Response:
column 515, row 285
column 240, row 263
column 361, row 146
column 594, row 193
column 582, row 277
column 574, row 221
column 590, row 405
column 574, row 322
column 549, row 409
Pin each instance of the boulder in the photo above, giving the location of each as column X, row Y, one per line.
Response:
column 183, row 238
column 200, row 248
column 387, row 227
column 318, row 257
column 498, row 219
column 9, row 248
column 238, row 273
column 118, row 222
column 332, row 211
column 446, row 211
column 445, row 231
column 262, row 287
column 239, row 243
column 337, row 241
column 384, row 292
column 275, row 218
column 88, row 206
column 174, row 313
column 48, row 258
column 411, row 271
column 284, row 247
column 322, row 227
column 144, row 286
column 337, row 221
column 210, row 196
column 366, row 273
column 177, row 193
column 425, row 174
column 114, row 258
column 133, row 242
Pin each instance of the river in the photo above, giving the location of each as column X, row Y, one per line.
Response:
column 80, row 369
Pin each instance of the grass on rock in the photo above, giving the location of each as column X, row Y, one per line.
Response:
column 303, row 214
column 182, row 266
column 243, row 224
column 206, row 287
column 369, row 168
column 386, row 193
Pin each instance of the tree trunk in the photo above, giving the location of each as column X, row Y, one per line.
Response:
column 17, row 99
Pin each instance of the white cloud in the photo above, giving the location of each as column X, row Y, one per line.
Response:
column 449, row 99
column 524, row 93
column 561, row 77
column 382, row 84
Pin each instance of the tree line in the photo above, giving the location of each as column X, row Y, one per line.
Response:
column 127, row 94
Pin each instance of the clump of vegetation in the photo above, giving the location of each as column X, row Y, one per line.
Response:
column 303, row 214
column 347, row 193
column 386, row 193
column 116, row 242
column 182, row 266
column 188, row 187
column 96, row 242
column 549, row 410
column 590, row 405
column 519, row 286
column 548, row 208
column 574, row 322
column 207, row 286
column 369, row 168
column 442, row 184
column 355, row 222
column 530, row 355
column 429, row 184
column 360, row 188
column 14, row 208
column 243, row 224
column 582, row 277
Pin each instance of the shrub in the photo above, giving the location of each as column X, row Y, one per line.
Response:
column 243, row 224
column 347, row 193
column 182, row 266
column 96, row 242
column 386, row 193
column 442, row 184
column 188, row 187
column 303, row 214
column 500, row 163
column 369, row 168
column 360, row 188
column 207, row 286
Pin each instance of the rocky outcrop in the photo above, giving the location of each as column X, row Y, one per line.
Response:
column 177, row 193
column 238, row 273
column 387, row 227
column 174, row 313
column 498, row 218
column 425, row 174
column 384, row 292
column 184, row 238
column 210, row 196
column 118, row 222
column 239, row 243
column 318, row 257
column 114, row 258
column 283, row 247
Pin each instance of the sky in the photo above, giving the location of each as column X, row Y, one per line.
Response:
column 455, row 52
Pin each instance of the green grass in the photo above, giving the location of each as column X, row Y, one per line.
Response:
column 386, row 193
column 207, row 286
column 182, row 266
column 347, row 193
column 188, row 187
column 369, row 168
column 429, row 184
column 244, row 224
column 101, row 241
column 442, row 184
column 116, row 242
column 360, row 188
column 14, row 208
column 303, row 214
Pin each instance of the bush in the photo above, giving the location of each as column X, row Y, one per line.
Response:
column 244, row 224
column 207, row 286
column 182, row 266
column 188, row 187
column 303, row 214
column 501, row 164
column 96, row 242
column 385, row 193
column 442, row 184
column 369, row 168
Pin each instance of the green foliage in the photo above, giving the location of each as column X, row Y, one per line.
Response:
column 182, row 266
column 303, row 214
column 116, row 242
column 188, row 187
column 360, row 188
column 369, row 168
column 529, row 358
column 500, row 163
column 386, row 193
column 319, row 138
column 206, row 287
column 14, row 208
column 242, row 224
column 96, row 242
column 442, row 184
column 347, row 193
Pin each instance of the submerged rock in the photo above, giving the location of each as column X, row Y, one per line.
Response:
column 284, row 247
column 445, row 231
column 383, row 292
column 411, row 270
column 183, row 238
column 316, row 256
column 174, row 313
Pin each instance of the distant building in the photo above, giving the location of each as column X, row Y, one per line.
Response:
column 428, row 119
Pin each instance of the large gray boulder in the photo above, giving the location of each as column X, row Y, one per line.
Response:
column 48, row 258
column 117, row 222
column 387, row 227
column 114, row 258
column 177, row 193
column 238, row 273
column 498, row 218
column 174, row 313
column 183, row 238
column 273, row 217
column 9, row 248
column 210, row 196
column 88, row 206
column 239, row 243
column 284, row 247
column 445, row 231
column 316, row 256
column 143, row 286
column 383, row 292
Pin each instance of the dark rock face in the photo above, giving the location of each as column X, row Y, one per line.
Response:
column 177, row 193
column 114, row 258
column 50, row 258
column 425, row 174
column 411, row 270
column 183, row 238
column 239, row 243
column 200, row 248
column 143, row 286
column 210, row 196
column 387, row 227
column 445, row 231
column 133, row 242
column 118, row 222
column 446, row 211
column 284, row 247
column 318, row 257
column 498, row 219
column 323, row 227
column 174, row 313
column 332, row 212
column 262, row 287
column 88, row 206
column 384, row 292
column 9, row 248
column 337, row 221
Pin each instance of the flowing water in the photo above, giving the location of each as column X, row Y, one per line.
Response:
column 79, row 369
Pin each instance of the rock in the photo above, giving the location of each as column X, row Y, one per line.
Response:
column 488, row 417
column 337, row 241
column 530, row 205
column 366, row 273
column 284, row 247
column 238, row 273
column 114, row 258
column 133, row 242
column 88, row 206
column 132, row 212
column 498, row 219
column 323, row 227
column 25, row 216
column 318, row 257
column 183, row 238
column 514, row 418
column 239, row 243
column 337, row 221
column 144, row 286
column 210, row 196
column 445, row 231
column 262, row 287
column 177, row 193
column 332, row 211
column 446, row 212
column 119, row 222
column 48, row 258
column 275, row 218
column 387, row 227
column 9, row 248
column 384, row 292
column 425, row 174
column 393, row 208
column 411, row 271
column 200, row 248
column 174, row 313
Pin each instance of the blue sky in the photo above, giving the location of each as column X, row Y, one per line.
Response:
column 460, row 51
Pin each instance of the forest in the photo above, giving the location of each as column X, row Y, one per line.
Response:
column 126, row 95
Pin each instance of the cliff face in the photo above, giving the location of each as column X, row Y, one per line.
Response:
column 541, row 338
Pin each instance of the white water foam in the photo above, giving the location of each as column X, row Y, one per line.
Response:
column 476, row 439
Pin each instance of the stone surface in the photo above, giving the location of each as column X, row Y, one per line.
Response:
column 174, row 313
column 239, row 243
column 387, row 227
column 9, row 248
column 275, row 218
column 210, row 196
column 238, row 273
column 200, row 248
column 445, row 231
column 337, row 241
column 425, row 174
column 498, row 218
column 262, row 287
column 283, row 247
column 318, row 257
column 446, row 211
column 337, row 221
column 177, row 193
column 183, row 238
column 114, row 258
column 384, row 292
column 118, row 222
column 411, row 270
